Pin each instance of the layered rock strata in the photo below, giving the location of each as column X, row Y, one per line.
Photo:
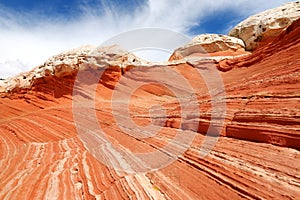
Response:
column 44, row 156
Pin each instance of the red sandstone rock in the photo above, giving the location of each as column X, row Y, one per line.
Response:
column 257, row 157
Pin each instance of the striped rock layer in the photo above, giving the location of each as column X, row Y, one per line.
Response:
column 49, row 143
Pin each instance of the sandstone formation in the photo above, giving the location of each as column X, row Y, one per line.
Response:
column 265, row 26
column 45, row 156
column 67, row 62
column 212, row 45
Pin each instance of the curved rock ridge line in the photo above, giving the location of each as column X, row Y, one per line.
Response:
column 267, row 25
column 68, row 62
column 256, row 157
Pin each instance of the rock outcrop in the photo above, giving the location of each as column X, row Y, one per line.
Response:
column 210, row 45
column 69, row 62
column 51, row 146
column 265, row 26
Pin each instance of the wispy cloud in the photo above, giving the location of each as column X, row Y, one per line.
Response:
column 30, row 38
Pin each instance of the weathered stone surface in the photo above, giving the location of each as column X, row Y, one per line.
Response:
column 43, row 156
column 68, row 62
column 212, row 45
column 266, row 25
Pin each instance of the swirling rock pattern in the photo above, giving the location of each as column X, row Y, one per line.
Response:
column 257, row 157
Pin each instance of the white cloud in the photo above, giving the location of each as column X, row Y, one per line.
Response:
column 10, row 67
column 31, row 39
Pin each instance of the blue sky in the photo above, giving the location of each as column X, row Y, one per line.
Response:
column 32, row 31
column 215, row 22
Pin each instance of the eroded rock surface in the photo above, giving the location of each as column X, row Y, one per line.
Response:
column 212, row 45
column 43, row 155
column 266, row 25
column 68, row 62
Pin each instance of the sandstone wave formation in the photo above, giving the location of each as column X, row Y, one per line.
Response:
column 51, row 117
